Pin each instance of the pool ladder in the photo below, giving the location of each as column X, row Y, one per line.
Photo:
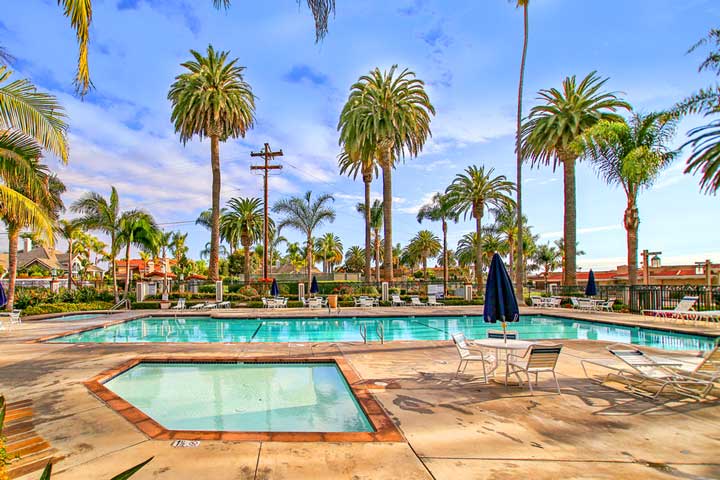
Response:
column 379, row 330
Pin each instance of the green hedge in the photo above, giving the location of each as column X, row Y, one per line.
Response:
column 44, row 308
column 28, row 297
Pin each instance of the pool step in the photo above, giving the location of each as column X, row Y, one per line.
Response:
column 34, row 451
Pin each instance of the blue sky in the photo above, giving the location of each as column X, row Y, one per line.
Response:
column 467, row 52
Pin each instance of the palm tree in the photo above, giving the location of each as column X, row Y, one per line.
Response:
column 705, row 140
column 425, row 244
column 352, row 164
column 631, row 154
column 466, row 251
column 548, row 258
column 212, row 100
column 330, row 249
column 520, row 264
column 386, row 117
column 470, row 194
column 103, row 215
column 505, row 226
column 69, row 229
column 354, row 259
column 374, row 218
column 439, row 210
column 245, row 221
column 178, row 246
column 305, row 215
column 138, row 228
column 158, row 242
column 549, row 135
column 560, row 244
column 80, row 14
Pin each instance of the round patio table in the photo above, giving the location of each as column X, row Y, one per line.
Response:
column 505, row 346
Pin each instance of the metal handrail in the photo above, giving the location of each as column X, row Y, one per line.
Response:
column 380, row 330
column 125, row 302
column 363, row 333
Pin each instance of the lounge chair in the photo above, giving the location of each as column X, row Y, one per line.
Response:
column 708, row 369
column 537, row 359
column 682, row 311
column 397, row 301
column 538, row 302
column 554, row 302
column 606, row 306
column 180, row 305
column 650, row 376
column 415, row 302
column 313, row 302
column 432, row 301
column 198, row 306
column 509, row 334
column 224, row 304
column 584, row 304
column 489, row 362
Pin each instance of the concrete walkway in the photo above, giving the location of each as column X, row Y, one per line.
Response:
column 455, row 428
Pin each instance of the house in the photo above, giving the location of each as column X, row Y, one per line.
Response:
column 42, row 261
column 153, row 269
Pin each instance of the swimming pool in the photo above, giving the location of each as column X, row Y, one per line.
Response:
column 347, row 329
column 247, row 397
column 76, row 316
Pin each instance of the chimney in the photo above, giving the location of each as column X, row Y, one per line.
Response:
column 27, row 245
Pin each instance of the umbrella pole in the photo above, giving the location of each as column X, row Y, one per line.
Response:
column 504, row 327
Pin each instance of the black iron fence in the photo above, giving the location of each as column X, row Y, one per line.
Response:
column 652, row 297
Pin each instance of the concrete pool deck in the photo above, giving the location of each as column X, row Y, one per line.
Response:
column 455, row 428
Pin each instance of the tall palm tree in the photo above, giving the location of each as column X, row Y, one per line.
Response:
column 439, row 210
column 375, row 216
column 245, row 217
column 352, row 164
column 520, row 264
column 138, row 228
column 69, row 230
column 631, row 154
column 212, row 99
column 549, row 135
column 329, row 248
column 505, row 226
column 178, row 246
column 305, row 215
column 386, row 117
column 470, row 194
column 103, row 215
column 425, row 244
column 158, row 242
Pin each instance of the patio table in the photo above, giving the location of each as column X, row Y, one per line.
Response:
column 505, row 346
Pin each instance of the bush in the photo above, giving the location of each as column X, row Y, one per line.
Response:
column 27, row 297
column 44, row 308
column 146, row 305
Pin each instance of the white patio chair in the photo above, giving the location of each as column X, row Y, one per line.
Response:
column 488, row 361
column 538, row 302
column 397, row 301
column 180, row 304
column 415, row 302
column 224, row 304
column 682, row 311
column 432, row 301
column 15, row 317
column 537, row 359
column 606, row 306
column 197, row 306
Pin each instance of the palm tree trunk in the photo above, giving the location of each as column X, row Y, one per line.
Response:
column 165, row 272
column 246, row 247
column 377, row 256
column 632, row 220
column 13, row 236
column 215, row 225
column 445, row 257
column 387, row 215
column 368, row 251
column 478, row 252
column 69, row 263
column 519, row 262
column 569, row 227
column 309, row 259
column 114, row 266
column 127, row 269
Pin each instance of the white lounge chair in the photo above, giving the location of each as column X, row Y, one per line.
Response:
column 488, row 361
column 432, row 301
column 682, row 311
column 224, row 304
column 397, row 301
column 197, row 306
column 554, row 302
column 537, row 359
column 180, row 304
column 15, row 316
column 415, row 302
column 584, row 304
column 538, row 302
column 708, row 369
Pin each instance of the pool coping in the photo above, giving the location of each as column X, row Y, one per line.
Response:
column 384, row 430
column 296, row 316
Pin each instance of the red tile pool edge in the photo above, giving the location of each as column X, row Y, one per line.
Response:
column 385, row 429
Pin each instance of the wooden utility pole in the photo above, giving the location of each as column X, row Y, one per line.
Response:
column 267, row 154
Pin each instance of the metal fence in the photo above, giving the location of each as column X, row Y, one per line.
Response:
column 652, row 297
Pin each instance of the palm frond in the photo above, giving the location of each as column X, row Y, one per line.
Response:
column 80, row 14
column 705, row 158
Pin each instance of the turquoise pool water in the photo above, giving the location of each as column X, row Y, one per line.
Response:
column 347, row 329
column 78, row 316
column 248, row 397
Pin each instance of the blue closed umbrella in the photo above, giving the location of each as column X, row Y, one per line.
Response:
column 500, row 301
column 274, row 289
column 314, row 286
column 591, row 287
column 3, row 297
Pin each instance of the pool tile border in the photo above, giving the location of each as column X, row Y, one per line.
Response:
column 384, row 428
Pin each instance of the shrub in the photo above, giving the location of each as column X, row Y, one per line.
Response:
column 44, row 308
column 248, row 291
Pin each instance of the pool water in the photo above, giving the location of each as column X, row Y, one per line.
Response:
column 248, row 397
column 347, row 329
column 78, row 316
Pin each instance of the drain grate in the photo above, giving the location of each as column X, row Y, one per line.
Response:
column 185, row 443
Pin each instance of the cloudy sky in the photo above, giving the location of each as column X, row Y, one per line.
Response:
column 466, row 51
